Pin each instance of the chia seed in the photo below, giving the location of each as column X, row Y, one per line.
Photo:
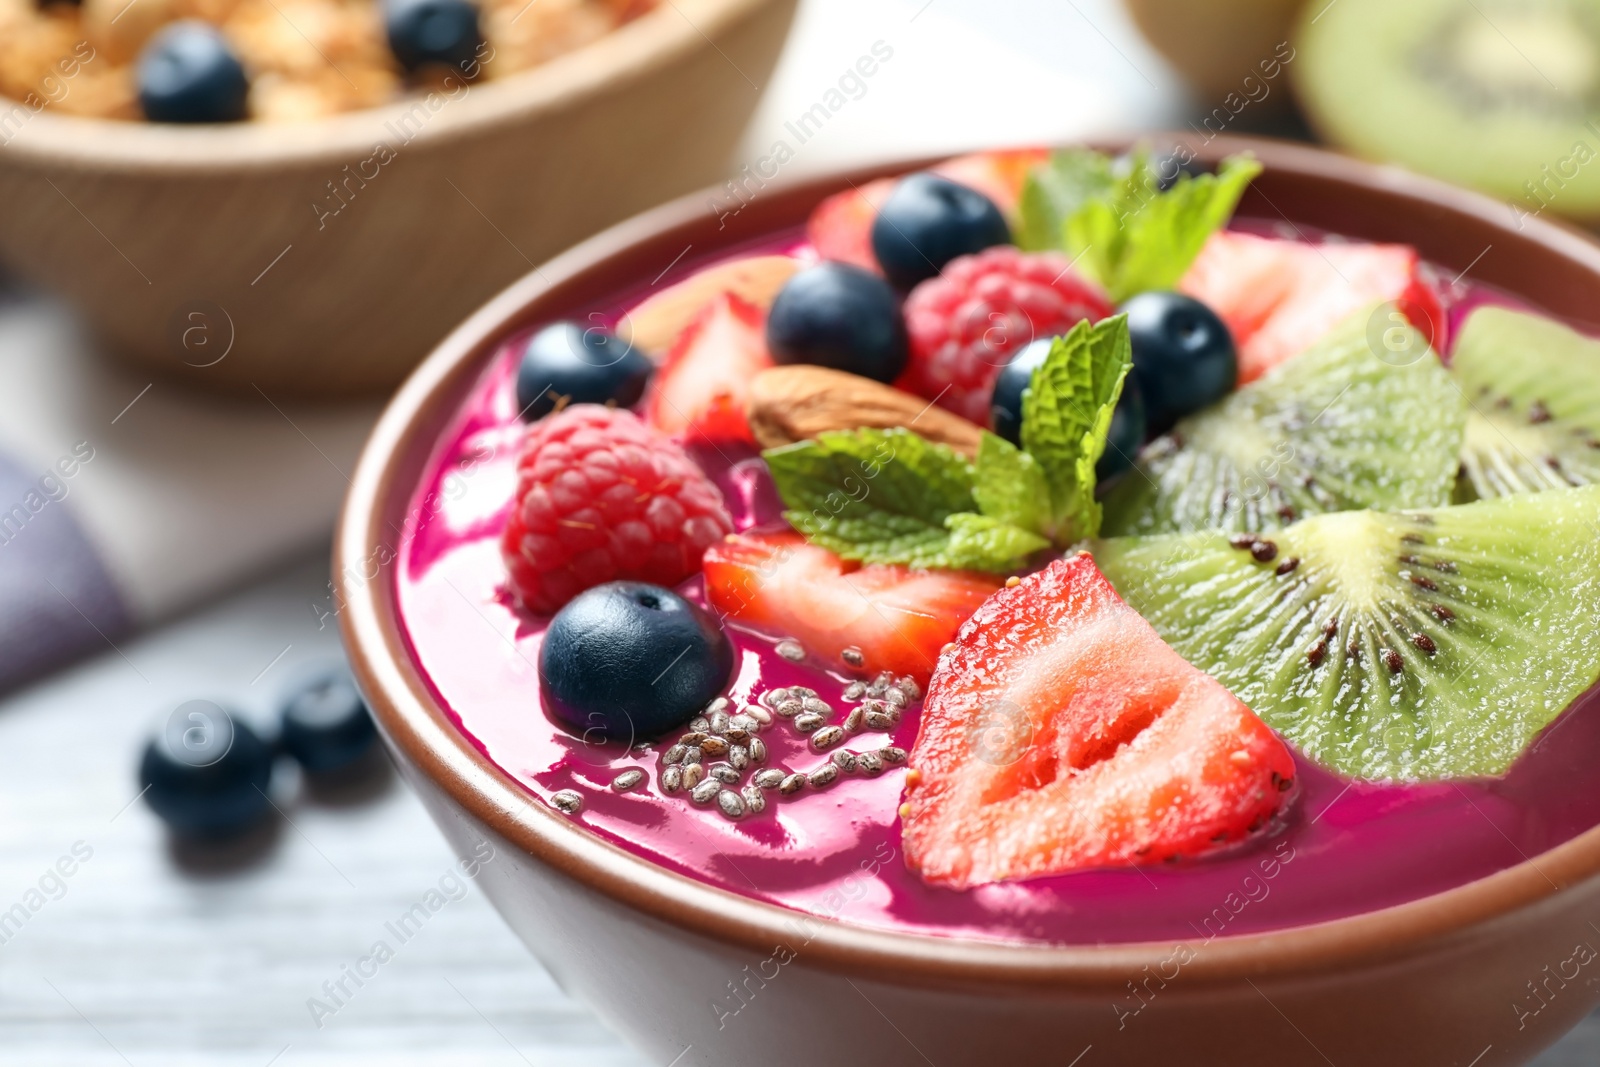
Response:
column 892, row 754
column 755, row 801
column 567, row 801
column 692, row 774
column 807, row 722
column 853, row 657
column 706, row 791
column 674, row 754
column 672, row 779
column 714, row 746
column 791, row 650
column 731, row 805
column 827, row 737
column 725, row 773
column 719, row 723
column 855, row 691
column 739, row 756
column 757, row 749
column 823, row 775
column 852, row 721
column 627, row 780
column 845, row 760
column 792, row 784
column 769, row 778
column 869, row 763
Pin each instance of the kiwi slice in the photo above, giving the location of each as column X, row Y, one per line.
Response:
column 1534, row 386
column 1498, row 94
column 1412, row 646
column 1338, row 427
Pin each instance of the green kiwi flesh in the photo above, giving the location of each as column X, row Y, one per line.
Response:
column 1413, row 646
column 1534, row 387
column 1502, row 95
column 1335, row 428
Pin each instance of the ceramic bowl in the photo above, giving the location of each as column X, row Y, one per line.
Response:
column 1442, row 980
column 327, row 258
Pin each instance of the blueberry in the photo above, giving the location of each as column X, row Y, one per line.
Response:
column 840, row 316
column 1005, row 403
column 325, row 724
column 432, row 32
column 628, row 660
column 1127, row 432
column 927, row 221
column 584, row 365
column 189, row 73
column 206, row 774
column 1182, row 353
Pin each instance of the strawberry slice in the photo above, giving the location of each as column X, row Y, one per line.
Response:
column 840, row 227
column 701, row 387
column 1061, row 733
column 1278, row 297
column 783, row 586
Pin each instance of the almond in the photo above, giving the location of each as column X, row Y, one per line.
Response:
column 795, row 403
column 659, row 319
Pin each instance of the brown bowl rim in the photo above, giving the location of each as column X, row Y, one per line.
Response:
column 623, row 56
column 419, row 729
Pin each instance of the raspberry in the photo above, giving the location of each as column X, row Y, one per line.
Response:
column 601, row 496
column 965, row 324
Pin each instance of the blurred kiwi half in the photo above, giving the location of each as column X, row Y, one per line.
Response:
column 1502, row 95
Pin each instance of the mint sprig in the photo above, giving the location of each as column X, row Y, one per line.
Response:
column 890, row 496
column 1123, row 230
column 1066, row 415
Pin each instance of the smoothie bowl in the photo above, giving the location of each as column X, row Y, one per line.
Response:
column 1038, row 607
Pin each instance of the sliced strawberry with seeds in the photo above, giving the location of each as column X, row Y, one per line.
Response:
column 783, row 586
column 1060, row 733
column 1280, row 296
column 704, row 382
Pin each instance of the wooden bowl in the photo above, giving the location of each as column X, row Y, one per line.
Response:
column 1485, row 974
column 307, row 259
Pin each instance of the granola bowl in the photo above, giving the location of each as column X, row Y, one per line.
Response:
column 326, row 257
column 1484, row 972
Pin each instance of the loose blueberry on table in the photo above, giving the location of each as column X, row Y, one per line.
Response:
column 770, row 586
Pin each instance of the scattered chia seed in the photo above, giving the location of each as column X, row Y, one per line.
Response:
column 845, row 760
column 692, row 774
column 792, row 784
column 700, row 724
column 720, row 704
column 567, row 801
column 773, row 697
column 827, row 737
column 852, row 721
column 823, row 775
column 755, row 801
column 719, row 723
column 730, row 803
column 791, row 650
column 807, row 722
column 757, row 749
column 816, row 707
column 672, row 779
column 892, row 754
column 759, row 715
column 896, row 697
column 706, row 791
column 691, row 755
column 725, row 773
column 853, row 657
column 769, row 778
column 879, row 720
column 869, row 763
column 739, row 757
column 908, row 685
column 714, row 746
column 855, row 691
column 627, row 780
column 674, row 754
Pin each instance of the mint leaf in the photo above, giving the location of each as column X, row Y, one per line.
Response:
column 1009, row 485
column 1054, row 190
column 880, row 496
column 984, row 543
column 1066, row 414
column 1135, row 237
column 890, row 496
